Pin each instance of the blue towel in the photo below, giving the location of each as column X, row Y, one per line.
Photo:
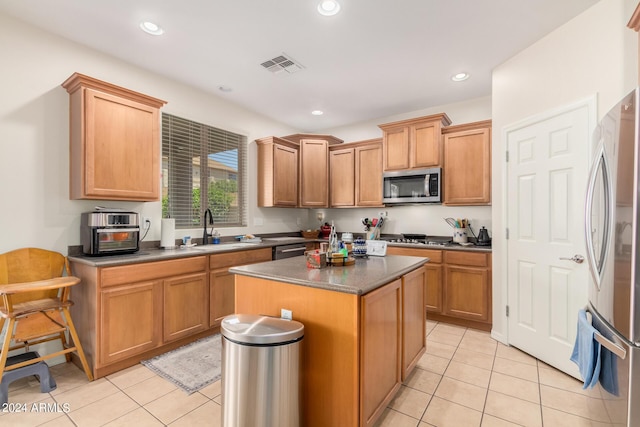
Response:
column 586, row 352
column 609, row 371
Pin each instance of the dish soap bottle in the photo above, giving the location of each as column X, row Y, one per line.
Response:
column 334, row 245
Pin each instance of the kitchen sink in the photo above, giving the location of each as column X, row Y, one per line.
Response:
column 223, row 247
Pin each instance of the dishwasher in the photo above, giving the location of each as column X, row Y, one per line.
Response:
column 288, row 251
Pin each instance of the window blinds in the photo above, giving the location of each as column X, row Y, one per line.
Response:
column 202, row 167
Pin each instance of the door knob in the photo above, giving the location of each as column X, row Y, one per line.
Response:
column 578, row 259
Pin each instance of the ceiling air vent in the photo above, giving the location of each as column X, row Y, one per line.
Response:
column 282, row 63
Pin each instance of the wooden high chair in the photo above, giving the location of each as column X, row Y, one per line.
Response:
column 34, row 299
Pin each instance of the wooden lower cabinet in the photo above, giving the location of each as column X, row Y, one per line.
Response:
column 434, row 288
column 186, row 306
column 458, row 285
column 222, row 286
column 467, row 286
column 354, row 347
column 222, row 295
column 133, row 312
column 381, row 349
column 433, row 292
column 414, row 333
column 130, row 320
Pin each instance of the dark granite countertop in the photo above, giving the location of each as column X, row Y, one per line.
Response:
column 150, row 252
column 366, row 275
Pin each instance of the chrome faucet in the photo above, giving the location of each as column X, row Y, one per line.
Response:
column 205, row 235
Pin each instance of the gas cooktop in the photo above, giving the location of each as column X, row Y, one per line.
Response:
column 421, row 239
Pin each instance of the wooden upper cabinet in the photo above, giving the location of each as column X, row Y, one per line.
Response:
column 313, row 172
column 277, row 172
column 114, row 141
column 342, row 177
column 369, row 173
column 414, row 143
column 356, row 174
column 467, row 164
column 313, row 191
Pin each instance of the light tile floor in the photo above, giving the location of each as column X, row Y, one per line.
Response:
column 465, row 379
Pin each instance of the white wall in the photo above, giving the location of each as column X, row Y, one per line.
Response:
column 592, row 54
column 34, row 138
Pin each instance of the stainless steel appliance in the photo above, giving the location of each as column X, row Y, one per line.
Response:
column 421, row 239
column 611, row 227
column 288, row 251
column 109, row 232
column 412, row 186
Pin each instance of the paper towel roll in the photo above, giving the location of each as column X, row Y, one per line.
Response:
column 168, row 233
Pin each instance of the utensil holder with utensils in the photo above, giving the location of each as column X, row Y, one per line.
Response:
column 460, row 235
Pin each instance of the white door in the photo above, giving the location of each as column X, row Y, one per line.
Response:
column 547, row 172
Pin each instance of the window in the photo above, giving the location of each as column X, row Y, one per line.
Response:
column 184, row 173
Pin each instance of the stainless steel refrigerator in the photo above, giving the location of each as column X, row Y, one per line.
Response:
column 611, row 228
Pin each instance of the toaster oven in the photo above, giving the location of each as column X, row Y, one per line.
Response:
column 109, row 233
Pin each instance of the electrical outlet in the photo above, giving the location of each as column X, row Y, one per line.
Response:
column 382, row 214
column 286, row 314
column 146, row 223
column 299, row 221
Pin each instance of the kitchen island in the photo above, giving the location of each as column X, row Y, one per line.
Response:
column 365, row 329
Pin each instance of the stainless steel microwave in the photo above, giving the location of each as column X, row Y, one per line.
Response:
column 412, row 186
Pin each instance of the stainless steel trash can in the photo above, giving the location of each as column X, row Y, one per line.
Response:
column 260, row 371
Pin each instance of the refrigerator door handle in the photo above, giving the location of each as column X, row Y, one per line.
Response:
column 611, row 346
column 595, row 269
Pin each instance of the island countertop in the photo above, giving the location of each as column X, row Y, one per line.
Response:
column 366, row 275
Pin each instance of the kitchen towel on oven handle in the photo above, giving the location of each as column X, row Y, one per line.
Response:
column 586, row 351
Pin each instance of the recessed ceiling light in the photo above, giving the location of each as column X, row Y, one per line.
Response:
column 460, row 77
column 328, row 7
column 151, row 28
column 317, row 112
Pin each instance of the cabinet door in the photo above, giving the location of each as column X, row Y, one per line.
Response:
column 425, row 144
column 342, row 180
column 369, row 175
column 380, row 350
column 186, row 306
column 314, row 173
column 434, row 288
column 285, row 176
column 413, row 319
column 396, row 148
column 467, row 293
column 130, row 320
column 222, row 293
column 467, row 167
column 121, row 150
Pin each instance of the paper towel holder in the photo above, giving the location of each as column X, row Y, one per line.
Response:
column 168, row 233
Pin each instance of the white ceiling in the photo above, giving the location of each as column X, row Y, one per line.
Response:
column 376, row 58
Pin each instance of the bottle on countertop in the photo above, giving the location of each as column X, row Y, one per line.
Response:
column 334, row 244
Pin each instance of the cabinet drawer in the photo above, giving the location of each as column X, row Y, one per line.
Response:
column 113, row 276
column 239, row 258
column 466, row 258
column 434, row 255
